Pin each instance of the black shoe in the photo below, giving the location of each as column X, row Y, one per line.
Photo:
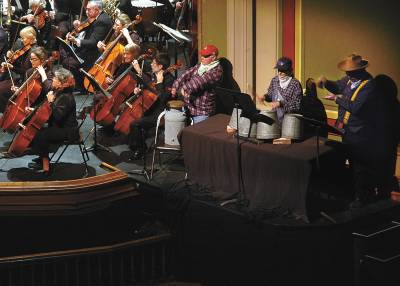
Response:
column 37, row 160
column 35, row 165
column 138, row 154
column 356, row 204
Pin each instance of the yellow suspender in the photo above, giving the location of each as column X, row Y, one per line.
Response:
column 353, row 97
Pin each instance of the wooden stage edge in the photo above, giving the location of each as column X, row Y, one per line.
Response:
column 66, row 197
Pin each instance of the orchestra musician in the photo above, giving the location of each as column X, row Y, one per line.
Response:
column 91, row 31
column 119, row 27
column 39, row 18
column 62, row 124
column 162, row 81
column 18, row 62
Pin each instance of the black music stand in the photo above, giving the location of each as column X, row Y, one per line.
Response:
column 70, row 50
column 233, row 98
column 318, row 125
column 96, row 146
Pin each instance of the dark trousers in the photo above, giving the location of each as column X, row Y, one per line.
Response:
column 52, row 136
column 139, row 130
column 5, row 93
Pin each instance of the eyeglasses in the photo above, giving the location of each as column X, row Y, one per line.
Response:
column 206, row 56
column 34, row 59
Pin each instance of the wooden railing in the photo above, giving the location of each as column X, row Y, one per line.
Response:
column 140, row 261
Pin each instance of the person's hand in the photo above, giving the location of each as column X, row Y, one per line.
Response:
column 178, row 5
column 101, row 45
column 160, row 76
column 76, row 24
column 9, row 54
column 29, row 18
column 71, row 38
column 321, row 81
column 14, row 88
column 50, row 96
column 136, row 66
column 109, row 80
column 137, row 90
column 52, row 15
column 173, row 92
column 5, row 65
column 275, row 104
column 184, row 94
column 330, row 96
column 29, row 109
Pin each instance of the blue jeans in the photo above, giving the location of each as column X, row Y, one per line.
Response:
column 199, row 118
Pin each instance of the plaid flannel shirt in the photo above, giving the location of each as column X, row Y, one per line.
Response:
column 291, row 95
column 200, row 98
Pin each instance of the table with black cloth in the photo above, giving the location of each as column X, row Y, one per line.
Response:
column 273, row 175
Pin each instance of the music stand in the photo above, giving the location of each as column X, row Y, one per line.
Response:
column 318, row 125
column 70, row 50
column 96, row 146
column 233, row 98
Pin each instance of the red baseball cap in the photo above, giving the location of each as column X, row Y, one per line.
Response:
column 209, row 50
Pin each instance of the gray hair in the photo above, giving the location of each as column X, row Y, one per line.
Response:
column 63, row 75
column 38, row 3
column 96, row 3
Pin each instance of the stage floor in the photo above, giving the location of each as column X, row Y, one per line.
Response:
column 71, row 164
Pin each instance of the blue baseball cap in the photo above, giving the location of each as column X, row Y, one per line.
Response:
column 283, row 64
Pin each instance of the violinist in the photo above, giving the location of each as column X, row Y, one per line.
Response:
column 89, row 32
column 62, row 124
column 162, row 81
column 18, row 62
column 39, row 18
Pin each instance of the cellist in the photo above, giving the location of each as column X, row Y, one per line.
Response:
column 17, row 62
column 62, row 124
column 162, row 81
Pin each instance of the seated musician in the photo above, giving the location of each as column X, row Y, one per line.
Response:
column 39, row 18
column 94, row 29
column 197, row 84
column 131, row 52
column 62, row 125
column 18, row 62
column 285, row 91
column 119, row 27
column 162, row 81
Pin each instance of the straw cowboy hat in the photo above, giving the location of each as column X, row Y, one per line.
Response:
column 352, row 63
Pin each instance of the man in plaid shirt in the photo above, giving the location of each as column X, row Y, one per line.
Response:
column 285, row 92
column 197, row 84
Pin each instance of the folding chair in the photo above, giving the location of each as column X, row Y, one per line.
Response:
column 160, row 146
column 81, row 143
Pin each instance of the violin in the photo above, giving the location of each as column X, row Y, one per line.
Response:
column 40, row 16
column 15, row 55
column 138, row 105
column 80, row 28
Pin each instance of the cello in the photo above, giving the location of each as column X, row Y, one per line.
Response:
column 107, row 109
column 28, row 130
column 23, row 97
column 138, row 105
column 113, row 51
